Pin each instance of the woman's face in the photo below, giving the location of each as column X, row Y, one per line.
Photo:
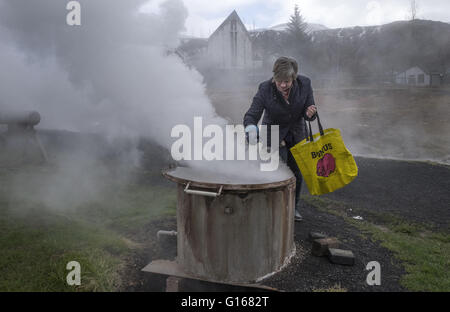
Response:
column 284, row 86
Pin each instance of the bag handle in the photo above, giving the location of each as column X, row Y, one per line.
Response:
column 310, row 134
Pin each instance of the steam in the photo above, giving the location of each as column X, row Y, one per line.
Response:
column 112, row 75
column 389, row 124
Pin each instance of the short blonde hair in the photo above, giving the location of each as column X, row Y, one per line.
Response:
column 285, row 68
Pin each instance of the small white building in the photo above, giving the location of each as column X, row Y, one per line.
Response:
column 414, row 76
column 230, row 47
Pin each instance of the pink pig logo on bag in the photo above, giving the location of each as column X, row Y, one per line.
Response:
column 326, row 165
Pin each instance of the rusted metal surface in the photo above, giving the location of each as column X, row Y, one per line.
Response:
column 245, row 233
column 173, row 284
column 173, row 269
column 185, row 175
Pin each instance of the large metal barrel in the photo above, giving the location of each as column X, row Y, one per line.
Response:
column 232, row 232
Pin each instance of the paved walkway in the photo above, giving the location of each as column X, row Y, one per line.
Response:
column 418, row 191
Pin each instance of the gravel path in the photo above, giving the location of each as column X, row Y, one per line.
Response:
column 417, row 191
column 308, row 273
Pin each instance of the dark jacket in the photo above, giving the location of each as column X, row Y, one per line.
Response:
column 290, row 117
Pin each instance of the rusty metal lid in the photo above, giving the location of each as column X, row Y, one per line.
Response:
column 238, row 181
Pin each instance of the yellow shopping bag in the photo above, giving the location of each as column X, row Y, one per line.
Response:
column 324, row 161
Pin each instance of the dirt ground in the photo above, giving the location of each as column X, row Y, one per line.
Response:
column 305, row 272
column 416, row 191
column 410, row 190
column 309, row 273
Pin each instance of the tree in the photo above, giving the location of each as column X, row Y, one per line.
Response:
column 297, row 26
column 297, row 41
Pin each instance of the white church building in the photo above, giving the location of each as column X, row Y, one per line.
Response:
column 229, row 46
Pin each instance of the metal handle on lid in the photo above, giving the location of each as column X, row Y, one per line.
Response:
column 203, row 193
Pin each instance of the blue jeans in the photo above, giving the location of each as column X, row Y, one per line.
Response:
column 286, row 157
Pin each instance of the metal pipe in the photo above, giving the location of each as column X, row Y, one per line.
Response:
column 29, row 118
column 161, row 233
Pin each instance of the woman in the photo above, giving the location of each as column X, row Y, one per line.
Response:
column 287, row 100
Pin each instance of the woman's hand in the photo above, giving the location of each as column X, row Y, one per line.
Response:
column 311, row 111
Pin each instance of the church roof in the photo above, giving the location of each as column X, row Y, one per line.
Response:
column 232, row 16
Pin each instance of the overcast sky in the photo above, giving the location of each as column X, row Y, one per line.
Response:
column 206, row 15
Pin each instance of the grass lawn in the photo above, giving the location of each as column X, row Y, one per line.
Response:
column 37, row 241
column 424, row 252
